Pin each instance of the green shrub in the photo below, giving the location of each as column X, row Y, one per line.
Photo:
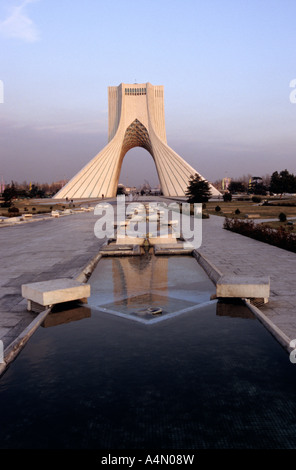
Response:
column 237, row 211
column 256, row 199
column 217, row 208
column 227, row 197
column 282, row 204
column 282, row 217
column 13, row 210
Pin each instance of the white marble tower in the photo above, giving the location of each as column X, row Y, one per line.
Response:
column 136, row 119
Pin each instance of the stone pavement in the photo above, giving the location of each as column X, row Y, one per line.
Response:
column 62, row 247
column 233, row 253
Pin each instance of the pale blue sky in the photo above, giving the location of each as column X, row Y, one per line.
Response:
column 226, row 66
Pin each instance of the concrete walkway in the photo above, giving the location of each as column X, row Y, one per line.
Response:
column 62, row 247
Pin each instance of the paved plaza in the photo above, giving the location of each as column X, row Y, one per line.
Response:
column 61, row 247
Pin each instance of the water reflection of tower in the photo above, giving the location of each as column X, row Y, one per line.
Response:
column 140, row 274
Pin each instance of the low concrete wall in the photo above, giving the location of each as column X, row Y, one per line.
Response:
column 211, row 270
column 271, row 327
column 12, row 351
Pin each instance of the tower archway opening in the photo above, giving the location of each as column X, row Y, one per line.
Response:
column 138, row 169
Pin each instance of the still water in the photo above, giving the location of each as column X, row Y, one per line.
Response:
column 107, row 375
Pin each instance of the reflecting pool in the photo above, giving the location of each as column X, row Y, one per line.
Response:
column 105, row 376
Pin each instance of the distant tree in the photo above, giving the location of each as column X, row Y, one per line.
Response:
column 36, row 191
column 237, row 187
column 120, row 189
column 9, row 193
column 198, row 190
column 283, row 182
column 227, row 197
column 256, row 199
column 256, row 186
column 13, row 210
column 260, row 188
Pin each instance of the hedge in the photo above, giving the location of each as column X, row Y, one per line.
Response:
column 279, row 238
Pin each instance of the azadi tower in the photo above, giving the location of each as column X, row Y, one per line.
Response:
column 136, row 119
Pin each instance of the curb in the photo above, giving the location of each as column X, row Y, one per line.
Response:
column 11, row 352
